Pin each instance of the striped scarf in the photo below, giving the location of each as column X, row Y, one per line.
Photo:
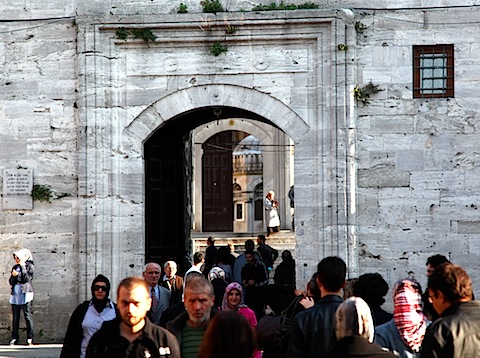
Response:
column 408, row 314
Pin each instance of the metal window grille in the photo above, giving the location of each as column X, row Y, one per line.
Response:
column 433, row 71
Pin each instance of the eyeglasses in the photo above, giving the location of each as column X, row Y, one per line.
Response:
column 100, row 288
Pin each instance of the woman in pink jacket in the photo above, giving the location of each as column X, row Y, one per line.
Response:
column 233, row 301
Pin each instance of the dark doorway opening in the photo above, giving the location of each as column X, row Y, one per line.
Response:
column 169, row 180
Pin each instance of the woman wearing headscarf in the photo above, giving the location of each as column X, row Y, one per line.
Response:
column 88, row 318
column 217, row 277
column 271, row 209
column 355, row 332
column 233, row 301
column 404, row 334
column 22, row 293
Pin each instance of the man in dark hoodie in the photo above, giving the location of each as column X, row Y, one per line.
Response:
column 87, row 318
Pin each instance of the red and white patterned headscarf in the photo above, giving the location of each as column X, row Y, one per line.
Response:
column 408, row 312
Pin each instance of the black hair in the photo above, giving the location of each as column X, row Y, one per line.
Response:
column 372, row 288
column 436, row 260
column 331, row 273
column 197, row 257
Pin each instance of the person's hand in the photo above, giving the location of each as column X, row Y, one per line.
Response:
column 251, row 282
column 14, row 273
column 307, row 302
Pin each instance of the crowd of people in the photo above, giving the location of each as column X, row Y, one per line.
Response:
column 208, row 313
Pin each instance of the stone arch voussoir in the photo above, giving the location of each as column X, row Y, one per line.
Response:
column 191, row 98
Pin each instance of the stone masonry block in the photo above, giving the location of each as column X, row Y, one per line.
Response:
column 382, row 178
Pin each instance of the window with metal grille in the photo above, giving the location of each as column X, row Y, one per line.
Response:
column 433, row 71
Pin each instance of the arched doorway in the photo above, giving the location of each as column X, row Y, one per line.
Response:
column 169, row 182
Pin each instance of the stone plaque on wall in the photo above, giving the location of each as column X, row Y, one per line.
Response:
column 17, row 189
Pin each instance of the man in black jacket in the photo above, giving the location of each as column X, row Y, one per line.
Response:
column 132, row 335
column 313, row 330
column 456, row 333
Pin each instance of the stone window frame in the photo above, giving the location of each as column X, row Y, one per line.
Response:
column 433, row 71
column 239, row 211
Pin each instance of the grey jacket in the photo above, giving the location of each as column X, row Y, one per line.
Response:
column 163, row 304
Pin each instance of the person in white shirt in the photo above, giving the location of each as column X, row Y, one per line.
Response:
column 87, row 319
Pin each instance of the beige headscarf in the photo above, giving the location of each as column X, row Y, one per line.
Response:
column 24, row 255
column 353, row 318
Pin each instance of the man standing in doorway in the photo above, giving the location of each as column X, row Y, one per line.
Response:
column 160, row 295
column 254, row 279
column 173, row 282
column 268, row 253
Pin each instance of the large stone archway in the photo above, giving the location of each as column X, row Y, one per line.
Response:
column 127, row 245
column 282, row 77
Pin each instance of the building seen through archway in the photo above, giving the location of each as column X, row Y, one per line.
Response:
column 212, row 177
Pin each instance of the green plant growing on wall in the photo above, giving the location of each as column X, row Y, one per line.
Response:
column 217, row 49
column 342, row 47
column 42, row 193
column 145, row 34
column 231, row 30
column 122, row 33
column 362, row 94
column 213, row 6
column 182, row 8
column 283, row 6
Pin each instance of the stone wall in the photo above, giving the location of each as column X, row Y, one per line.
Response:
column 417, row 162
column 384, row 186
column 39, row 131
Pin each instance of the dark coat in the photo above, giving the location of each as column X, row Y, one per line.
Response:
column 357, row 347
column 176, row 289
column 24, row 278
column 456, row 334
column 72, row 343
column 108, row 343
column 313, row 330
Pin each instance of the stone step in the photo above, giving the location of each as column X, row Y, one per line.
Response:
column 283, row 240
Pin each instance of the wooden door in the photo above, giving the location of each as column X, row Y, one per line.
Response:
column 166, row 219
column 217, row 180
